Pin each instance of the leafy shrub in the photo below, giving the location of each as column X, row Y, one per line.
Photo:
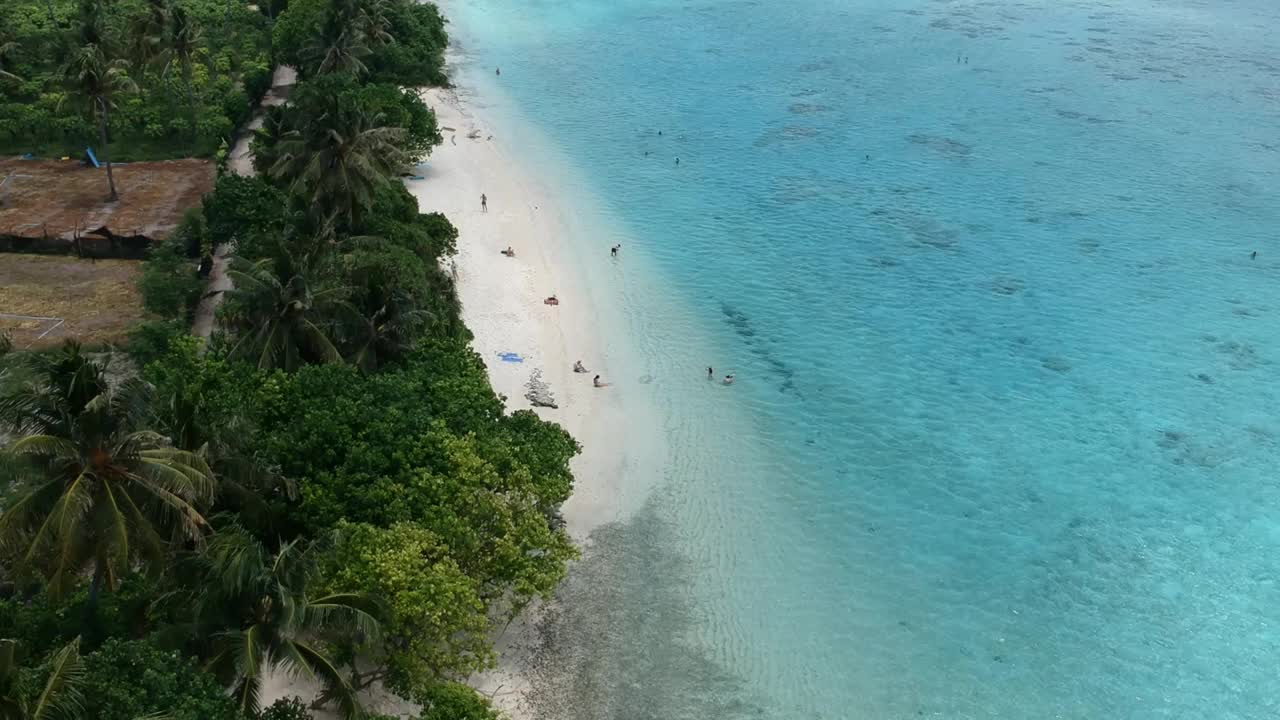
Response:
column 41, row 625
column 286, row 708
column 243, row 210
column 125, row 680
column 454, row 701
column 257, row 81
column 149, row 340
column 171, row 285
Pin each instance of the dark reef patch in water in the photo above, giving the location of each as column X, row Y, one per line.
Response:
column 942, row 145
column 806, row 108
column 741, row 325
column 1241, row 356
column 1007, row 285
column 616, row 644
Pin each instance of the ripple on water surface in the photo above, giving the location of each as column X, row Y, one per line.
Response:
column 1003, row 442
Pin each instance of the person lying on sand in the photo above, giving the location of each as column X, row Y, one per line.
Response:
column 508, row 252
column 596, row 381
column 553, row 300
column 578, row 367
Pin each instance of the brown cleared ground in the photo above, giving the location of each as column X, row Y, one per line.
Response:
column 57, row 199
column 97, row 301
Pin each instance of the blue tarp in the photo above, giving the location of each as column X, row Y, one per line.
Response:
column 93, row 159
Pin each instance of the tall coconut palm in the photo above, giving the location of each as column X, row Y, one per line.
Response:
column 265, row 611
column 373, row 23
column 344, row 52
column 341, row 45
column 95, row 492
column 387, row 333
column 184, row 41
column 245, row 487
column 95, row 80
column 281, row 315
column 148, row 34
column 59, row 697
column 339, row 159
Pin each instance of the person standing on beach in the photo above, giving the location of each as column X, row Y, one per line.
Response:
column 484, row 203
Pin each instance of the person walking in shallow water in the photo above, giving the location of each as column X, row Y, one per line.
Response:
column 484, row 203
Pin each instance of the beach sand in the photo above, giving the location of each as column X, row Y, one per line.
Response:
column 502, row 297
column 502, row 304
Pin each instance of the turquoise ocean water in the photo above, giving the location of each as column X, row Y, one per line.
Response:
column 1005, row 438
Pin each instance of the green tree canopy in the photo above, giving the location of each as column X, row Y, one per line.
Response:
column 262, row 610
column 436, row 622
column 127, row 680
column 54, row 689
column 95, row 491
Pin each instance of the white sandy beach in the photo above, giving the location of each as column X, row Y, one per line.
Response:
column 502, row 297
column 502, row 300
column 502, row 304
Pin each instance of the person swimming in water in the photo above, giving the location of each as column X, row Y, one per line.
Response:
column 728, row 379
column 710, row 372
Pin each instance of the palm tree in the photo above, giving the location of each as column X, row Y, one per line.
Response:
column 58, row 697
column 283, row 318
column 342, row 53
column 339, row 160
column 388, row 332
column 94, row 491
column 265, row 611
column 95, row 80
column 147, row 34
column 373, row 24
column 244, row 486
column 92, row 26
column 185, row 40
column 341, row 42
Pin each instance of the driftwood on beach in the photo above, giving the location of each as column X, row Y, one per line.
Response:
column 539, row 392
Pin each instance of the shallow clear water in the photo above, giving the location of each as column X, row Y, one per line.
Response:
column 1004, row 440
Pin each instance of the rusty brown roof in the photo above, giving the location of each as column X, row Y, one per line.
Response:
column 57, row 198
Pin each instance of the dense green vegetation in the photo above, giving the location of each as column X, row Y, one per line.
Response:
column 157, row 78
column 329, row 486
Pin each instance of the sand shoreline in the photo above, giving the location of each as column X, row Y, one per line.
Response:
column 517, row 335
column 502, row 303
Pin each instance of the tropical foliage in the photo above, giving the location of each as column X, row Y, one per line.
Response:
column 97, row 491
column 194, row 69
column 261, row 610
column 54, row 690
column 328, row 488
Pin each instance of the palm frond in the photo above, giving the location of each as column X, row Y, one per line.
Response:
column 336, row 687
column 62, row 696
